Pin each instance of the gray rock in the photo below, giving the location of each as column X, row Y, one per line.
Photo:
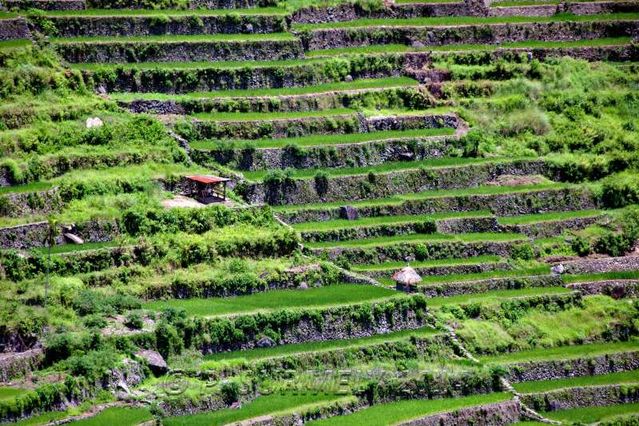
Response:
column 249, row 28
column 348, row 78
column 557, row 269
column 265, row 342
column 417, row 44
column 303, row 286
column 348, row 212
column 155, row 361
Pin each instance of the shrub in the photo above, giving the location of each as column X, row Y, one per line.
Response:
column 620, row 190
column 581, row 246
column 230, row 392
column 167, row 340
column 522, row 251
column 134, row 320
column 321, row 183
column 428, row 226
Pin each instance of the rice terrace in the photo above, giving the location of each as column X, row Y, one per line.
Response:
column 323, row 212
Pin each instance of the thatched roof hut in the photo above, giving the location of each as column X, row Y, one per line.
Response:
column 406, row 277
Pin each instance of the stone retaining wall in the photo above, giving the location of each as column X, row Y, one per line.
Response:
column 534, row 201
column 577, row 8
column 334, row 156
column 34, row 235
column 335, row 323
column 467, row 34
column 489, row 284
column 409, row 97
column 567, row 368
column 18, row 204
column 14, row 28
column 202, row 51
column 95, row 26
column 229, row 4
column 408, row 252
column 446, row 226
column 606, row 264
column 590, row 396
column 502, row 413
column 46, row 4
column 17, row 364
column 124, row 79
column 616, row 289
column 361, row 187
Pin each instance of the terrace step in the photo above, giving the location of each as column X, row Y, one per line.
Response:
column 407, row 248
column 326, row 122
column 135, row 4
column 444, row 267
column 328, row 151
column 551, row 224
column 528, row 298
column 501, row 201
column 183, row 77
column 404, row 178
column 221, row 47
column 617, row 289
column 129, row 23
column 444, row 31
column 454, row 223
column 401, row 91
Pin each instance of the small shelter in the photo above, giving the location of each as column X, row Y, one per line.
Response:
column 207, row 189
column 406, row 279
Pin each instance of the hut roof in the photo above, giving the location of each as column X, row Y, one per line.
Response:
column 406, row 275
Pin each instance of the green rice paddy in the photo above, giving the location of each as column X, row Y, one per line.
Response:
column 200, row 38
column 494, row 297
column 430, row 263
column 117, row 415
column 266, row 116
column 593, row 414
column 167, row 12
column 269, row 301
column 548, row 217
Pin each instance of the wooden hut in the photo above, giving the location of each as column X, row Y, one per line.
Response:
column 406, row 279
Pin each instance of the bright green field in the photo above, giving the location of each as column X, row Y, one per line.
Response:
column 7, row 392
column 429, row 263
column 323, row 140
column 382, row 168
column 30, row 187
column 467, row 20
column 395, row 412
column 386, row 220
column 416, row 238
column 328, row 345
column 261, row 406
column 548, row 217
column 623, row 275
column 358, row 84
column 593, row 414
column 606, row 379
column 200, row 38
column 564, row 352
column 70, row 248
column 117, row 416
column 273, row 300
column 493, row 297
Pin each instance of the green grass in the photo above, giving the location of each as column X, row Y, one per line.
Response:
column 467, row 20
column 429, row 263
column 262, row 405
column 493, row 297
column 197, row 65
column 396, row 412
column 117, row 415
column 433, row 163
column 530, row 44
column 400, row 198
column 7, row 392
column 606, row 379
column 437, row 279
column 385, row 220
column 199, row 38
column 621, row 275
column 324, row 346
column 426, row 1
column 563, row 352
column 358, row 84
column 326, row 140
column 548, row 217
column 30, row 187
column 70, row 248
column 593, row 414
column 263, row 116
column 167, row 12
column 11, row 44
column 417, row 238
column 42, row 419
column 274, row 300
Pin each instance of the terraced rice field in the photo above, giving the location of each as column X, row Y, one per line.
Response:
column 426, row 209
